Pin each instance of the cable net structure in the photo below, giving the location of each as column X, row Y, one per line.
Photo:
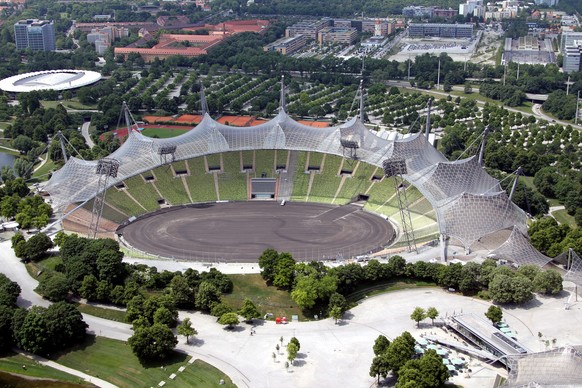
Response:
column 468, row 202
column 574, row 267
column 518, row 249
column 559, row 367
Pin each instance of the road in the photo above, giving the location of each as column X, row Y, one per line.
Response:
column 86, row 135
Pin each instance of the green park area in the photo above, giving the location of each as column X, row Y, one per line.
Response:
column 114, row 361
column 268, row 299
column 164, row 133
column 13, row 366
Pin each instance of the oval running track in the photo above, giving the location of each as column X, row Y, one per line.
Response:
column 241, row 231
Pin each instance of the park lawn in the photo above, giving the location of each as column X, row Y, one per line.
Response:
column 68, row 104
column 384, row 287
column 12, row 363
column 200, row 374
column 563, row 217
column 113, row 361
column 164, row 133
column 268, row 299
column 4, row 125
column 102, row 312
column 41, row 174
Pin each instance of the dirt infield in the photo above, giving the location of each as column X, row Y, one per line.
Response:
column 240, row 232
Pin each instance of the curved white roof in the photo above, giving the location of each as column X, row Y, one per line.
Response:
column 49, row 80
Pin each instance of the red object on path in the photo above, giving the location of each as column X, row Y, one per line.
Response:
column 278, row 320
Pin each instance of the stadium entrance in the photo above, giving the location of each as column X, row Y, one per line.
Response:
column 263, row 188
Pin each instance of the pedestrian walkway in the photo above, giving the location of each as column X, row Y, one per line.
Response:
column 43, row 361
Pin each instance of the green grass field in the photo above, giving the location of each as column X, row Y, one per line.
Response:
column 114, row 361
column 563, row 217
column 105, row 313
column 164, row 133
column 69, row 104
column 12, row 363
column 267, row 299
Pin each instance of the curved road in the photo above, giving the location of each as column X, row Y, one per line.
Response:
column 86, row 135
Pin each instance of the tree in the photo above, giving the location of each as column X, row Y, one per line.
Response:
column 381, row 344
column 292, row 350
column 548, row 282
column 182, row 292
column 336, row 313
column 207, row 296
column 54, row 287
column 432, row 313
column 400, row 351
column 219, row 309
column 65, row 325
column 494, row 314
column 37, row 245
column 31, row 330
column 380, row 367
column 284, row 271
column 6, row 338
column 295, row 341
column 267, row 262
column 229, row 319
column 418, row 315
column 186, row 329
column 151, row 343
column 9, row 291
column 425, row 372
column 249, row 310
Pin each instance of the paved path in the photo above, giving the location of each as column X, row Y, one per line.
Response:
column 86, row 135
column 93, row 380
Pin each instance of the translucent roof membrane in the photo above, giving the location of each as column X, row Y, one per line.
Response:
column 468, row 202
column 560, row 367
column 518, row 249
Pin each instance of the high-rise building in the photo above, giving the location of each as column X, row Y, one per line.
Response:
column 572, row 58
column 35, row 34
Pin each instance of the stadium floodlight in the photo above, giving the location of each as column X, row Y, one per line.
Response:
column 165, row 152
column 347, row 143
column 106, row 168
column 394, row 167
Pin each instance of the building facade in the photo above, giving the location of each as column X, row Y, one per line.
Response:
column 287, row 46
column 572, row 57
column 38, row 35
column 339, row 35
column 422, row 30
column 308, row 29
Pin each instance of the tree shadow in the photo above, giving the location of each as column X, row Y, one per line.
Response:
column 342, row 322
column 256, row 322
column 347, row 316
column 299, row 363
column 196, row 341
column 87, row 342
column 531, row 304
column 234, row 329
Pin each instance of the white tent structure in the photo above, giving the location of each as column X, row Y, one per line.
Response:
column 468, row 202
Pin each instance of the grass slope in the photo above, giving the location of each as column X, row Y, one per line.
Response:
column 267, row 299
column 114, row 361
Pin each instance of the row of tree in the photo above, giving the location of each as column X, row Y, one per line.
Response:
column 38, row 330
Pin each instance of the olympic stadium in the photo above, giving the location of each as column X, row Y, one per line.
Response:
column 406, row 188
column 49, row 80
